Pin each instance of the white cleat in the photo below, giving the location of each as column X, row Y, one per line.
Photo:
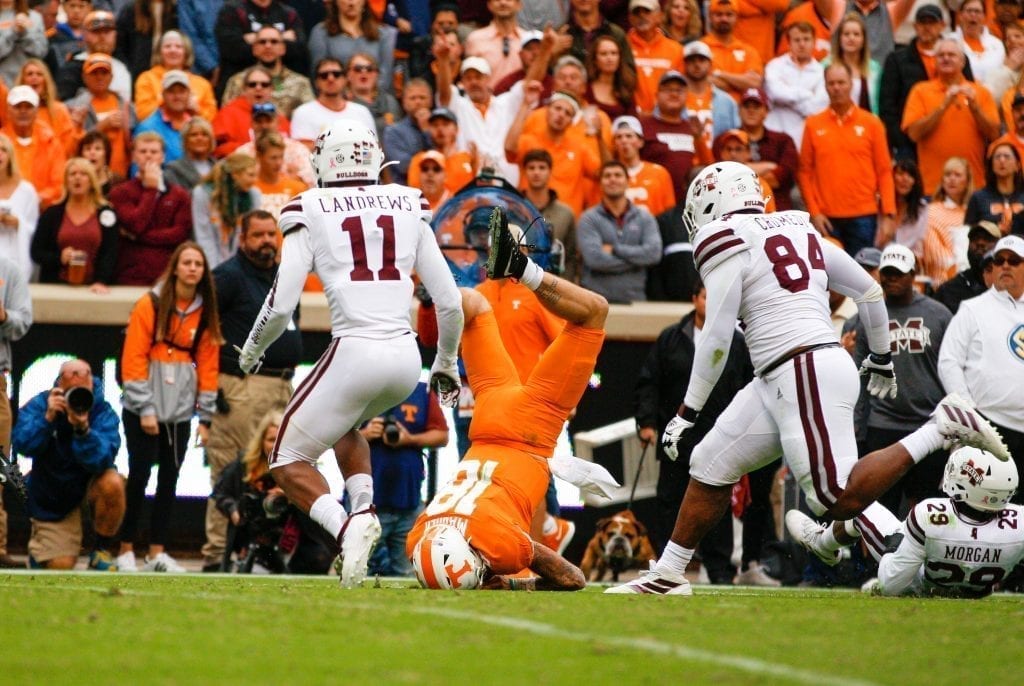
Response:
column 807, row 533
column 358, row 537
column 654, row 583
column 755, row 575
column 126, row 562
column 959, row 422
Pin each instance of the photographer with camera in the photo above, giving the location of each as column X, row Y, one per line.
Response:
column 71, row 434
column 397, row 440
column 266, row 532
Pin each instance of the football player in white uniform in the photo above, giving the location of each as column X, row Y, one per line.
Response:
column 363, row 240
column 773, row 272
column 960, row 546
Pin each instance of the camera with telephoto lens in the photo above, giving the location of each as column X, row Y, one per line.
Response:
column 257, row 508
column 392, row 433
column 79, row 399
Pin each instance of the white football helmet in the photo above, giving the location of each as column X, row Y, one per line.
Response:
column 979, row 480
column 720, row 189
column 347, row 151
column 443, row 559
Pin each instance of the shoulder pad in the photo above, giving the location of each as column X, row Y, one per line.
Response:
column 715, row 243
column 914, row 523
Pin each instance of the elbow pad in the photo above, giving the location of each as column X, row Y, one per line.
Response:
column 871, row 295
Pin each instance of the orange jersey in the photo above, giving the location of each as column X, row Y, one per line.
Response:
column 574, row 158
column 277, row 195
column 845, row 167
column 653, row 58
column 755, row 24
column 1006, row 109
column 734, row 57
column 458, row 171
column 956, row 134
column 104, row 106
column 537, row 122
column 650, row 185
column 526, row 327
column 41, row 161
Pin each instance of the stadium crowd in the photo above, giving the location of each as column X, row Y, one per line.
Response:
column 155, row 144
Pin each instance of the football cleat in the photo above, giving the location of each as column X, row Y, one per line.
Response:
column 357, row 539
column 559, row 539
column 755, row 575
column 960, row 423
column 504, row 259
column 653, row 582
column 808, row 533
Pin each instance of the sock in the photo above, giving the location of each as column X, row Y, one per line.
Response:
column 328, row 513
column 850, row 527
column 550, row 525
column 533, row 276
column 923, row 442
column 360, row 491
column 828, row 539
column 674, row 559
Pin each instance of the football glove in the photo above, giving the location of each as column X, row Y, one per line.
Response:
column 881, row 377
column 673, row 432
column 444, row 380
column 247, row 362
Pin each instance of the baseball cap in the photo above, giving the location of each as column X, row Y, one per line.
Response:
column 97, row 60
column 898, row 257
column 650, row 5
column 478, row 63
column 985, row 227
column 442, row 113
column 433, row 155
column 630, row 122
column 739, row 135
column 928, row 13
column 529, row 37
column 671, row 75
column 174, row 76
column 754, row 95
column 260, row 109
column 20, row 94
column 1013, row 243
column 697, row 48
column 869, row 258
column 99, row 20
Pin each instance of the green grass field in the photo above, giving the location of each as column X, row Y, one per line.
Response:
column 99, row 629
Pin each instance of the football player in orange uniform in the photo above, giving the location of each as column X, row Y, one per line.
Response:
column 476, row 530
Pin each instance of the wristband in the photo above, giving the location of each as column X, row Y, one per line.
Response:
column 881, row 358
column 689, row 414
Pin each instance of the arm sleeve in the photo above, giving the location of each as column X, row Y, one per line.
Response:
column 202, row 226
column 276, row 313
column 648, row 252
column 953, row 353
column 31, row 433
column 437, row 277
column 589, row 242
column 96, row 450
column 725, row 290
column 849, row 278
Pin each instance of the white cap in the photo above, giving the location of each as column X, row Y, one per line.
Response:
column 1013, row 243
column 530, row 36
column 630, row 122
column 898, row 257
column 20, row 94
column 477, row 63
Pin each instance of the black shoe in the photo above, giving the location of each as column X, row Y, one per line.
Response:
column 8, row 562
column 504, row 259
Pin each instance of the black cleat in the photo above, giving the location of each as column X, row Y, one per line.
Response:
column 504, row 258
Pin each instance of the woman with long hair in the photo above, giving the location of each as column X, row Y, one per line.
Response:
column 351, row 27
column 198, row 142
column 174, row 51
column 1002, row 197
column 850, row 46
column 946, row 214
column 911, row 215
column 983, row 51
column 218, row 203
column 169, row 366
column 76, row 239
column 682, row 20
column 35, row 74
column 19, row 211
column 138, row 31
column 95, row 147
column 611, row 82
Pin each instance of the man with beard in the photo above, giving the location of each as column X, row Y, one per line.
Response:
column 242, row 285
column 289, row 89
column 970, row 282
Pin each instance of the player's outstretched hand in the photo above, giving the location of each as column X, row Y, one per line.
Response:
column 881, row 377
column 444, row 380
column 673, row 432
column 247, row 362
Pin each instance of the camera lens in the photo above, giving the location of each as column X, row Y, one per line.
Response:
column 79, row 399
column 391, row 432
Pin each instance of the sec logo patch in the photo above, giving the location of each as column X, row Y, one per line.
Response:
column 1016, row 342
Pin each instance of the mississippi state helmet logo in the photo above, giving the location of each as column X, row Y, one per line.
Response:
column 973, row 473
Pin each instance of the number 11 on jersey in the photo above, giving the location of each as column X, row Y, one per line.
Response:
column 353, row 226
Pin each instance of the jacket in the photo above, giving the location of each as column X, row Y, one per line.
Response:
column 161, row 378
column 46, row 252
column 63, row 463
column 17, row 303
column 620, row 276
column 153, row 224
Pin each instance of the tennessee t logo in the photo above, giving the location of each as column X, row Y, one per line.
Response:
column 455, row 575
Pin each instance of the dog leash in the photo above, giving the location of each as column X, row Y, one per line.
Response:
column 636, row 477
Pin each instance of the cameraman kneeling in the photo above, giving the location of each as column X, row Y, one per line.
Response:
column 71, row 434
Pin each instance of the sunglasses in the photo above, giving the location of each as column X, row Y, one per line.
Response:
column 330, row 74
column 258, row 84
column 269, row 41
column 363, row 68
column 1012, row 260
column 506, row 47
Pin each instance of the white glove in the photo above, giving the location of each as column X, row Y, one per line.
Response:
column 673, row 432
column 587, row 476
column 881, row 377
column 444, row 380
column 247, row 361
